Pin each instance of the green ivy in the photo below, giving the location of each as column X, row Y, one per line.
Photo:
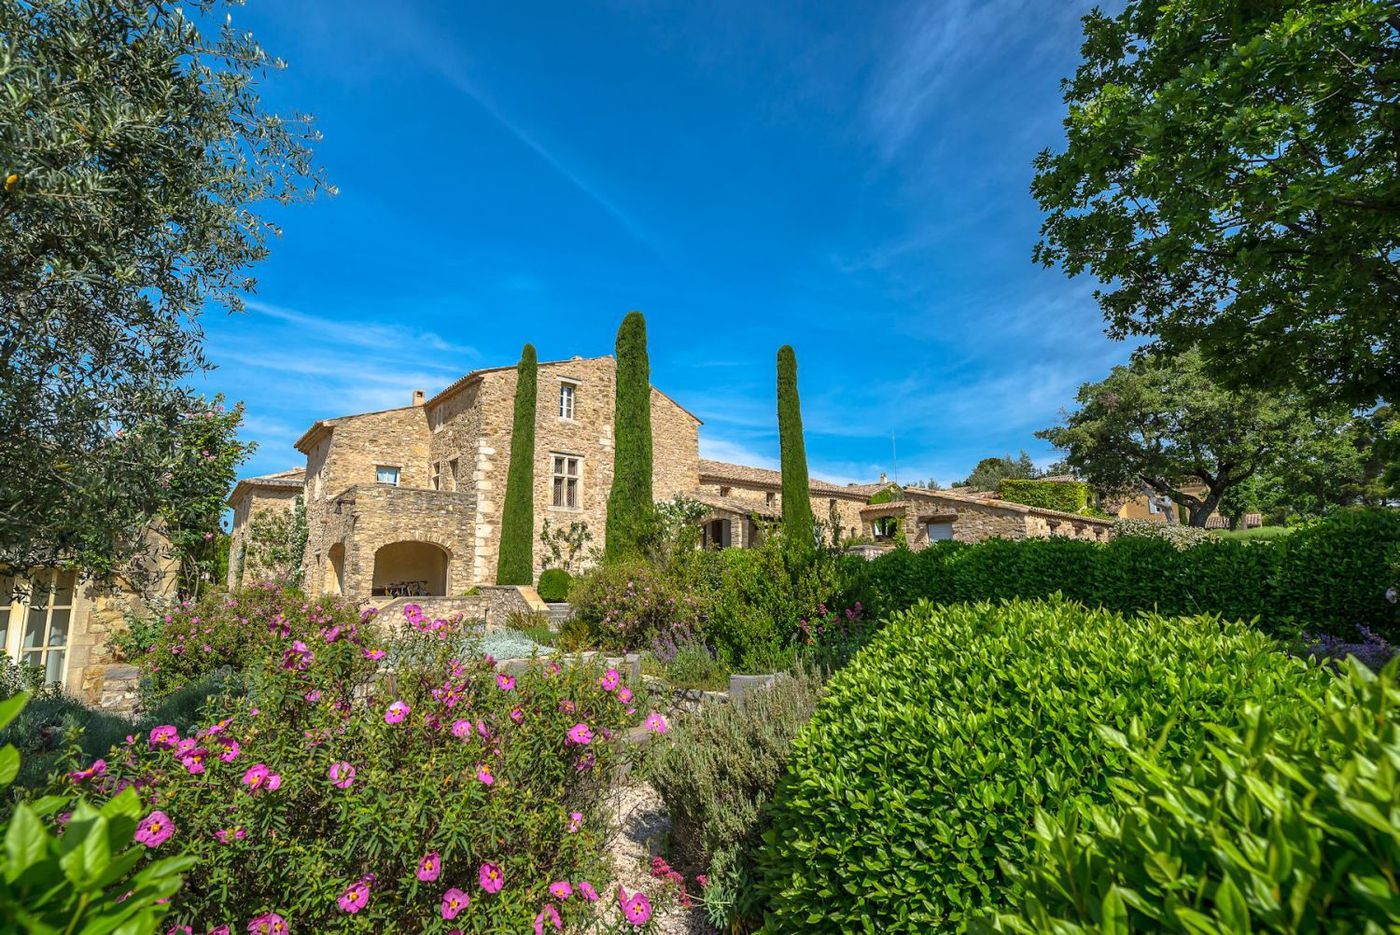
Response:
column 1067, row 496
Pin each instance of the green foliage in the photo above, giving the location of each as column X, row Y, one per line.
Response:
column 798, row 522
column 564, row 546
column 990, row 472
column 275, row 546
column 716, row 771
column 317, row 698
column 78, row 873
column 135, row 160
column 1175, row 533
column 1230, row 177
column 1166, row 423
column 1283, row 822
column 554, row 585
column 888, row 495
column 931, row 753
column 515, row 563
column 671, row 529
column 1067, row 496
column 1330, row 577
column 695, row 666
column 630, row 500
column 627, row 603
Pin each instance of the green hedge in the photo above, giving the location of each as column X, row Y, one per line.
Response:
column 1330, row 577
column 1286, row 824
column 1067, row 496
column 922, row 771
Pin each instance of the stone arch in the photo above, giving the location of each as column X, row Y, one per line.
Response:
column 415, row 563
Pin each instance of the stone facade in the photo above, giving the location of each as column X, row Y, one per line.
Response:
column 250, row 497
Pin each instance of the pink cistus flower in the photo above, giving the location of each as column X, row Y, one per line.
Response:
column 429, row 867
column 561, row 890
column 609, row 680
column 453, row 902
column 397, row 712
column 489, row 876
column 355, row 897
column 231, row 749
column 656, row 723
column 461, row 729
column 575, row 821
column 155, row 829
column 259, row 778
column 624, row 695
column 505, row 682
column 374, row 654
column 269, row 923
column 483, row 774
column 229, row 835
column 163, row 737
column 220, row 930
column 548, row 914
column 636, row 909
column 517, row 715
column 98, row 768
column 193, row 761
column 580, row 734
column 342, row 775
column 313, row 696
column 586, row 890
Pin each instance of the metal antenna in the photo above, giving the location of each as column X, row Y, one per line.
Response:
column 894, row 457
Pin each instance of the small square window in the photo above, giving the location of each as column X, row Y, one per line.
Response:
column 385, row 474
column 566, row 400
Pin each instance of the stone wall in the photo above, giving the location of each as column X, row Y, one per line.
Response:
column 256, row 500
column 827, row 500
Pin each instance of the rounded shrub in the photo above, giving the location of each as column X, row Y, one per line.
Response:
column 920, row 776
column 1284, row 824
column 554, row 585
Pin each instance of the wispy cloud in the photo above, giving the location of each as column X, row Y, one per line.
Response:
column 357, row 333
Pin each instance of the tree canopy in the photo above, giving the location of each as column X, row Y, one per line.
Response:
column 134, row 157
column 1230, row 177
column 990, row 472
column 1163, row 423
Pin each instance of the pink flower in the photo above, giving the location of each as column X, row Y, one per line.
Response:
column 561, row 889
column 505, row 682
column 269, row 923
column 548, row 914
column 375, row 654
column 566, row 706
column 155, row 829
column 313, row 696
column 342, row 775
column 413, row 613
column 163, row 737
column 193, row 761
column 355, row 897
column 483, row 774
column 609, row 680
column 656, row 723
column 517, row 715
column 231, row 749
column 429, row 867
column 636, row 909
column 96, row 769
column 580, row 734
column 461, row 729
column 575, row 821
column 454, row 901
column 490, row 878
column 225, row 835
column 259, row 777
column 397, row 712
column 220, row 930
column 586, row 890
column 624, row 695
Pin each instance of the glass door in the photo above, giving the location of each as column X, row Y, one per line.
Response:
column 35, row 626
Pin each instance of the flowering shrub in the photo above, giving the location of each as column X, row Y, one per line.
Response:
column 343, row 796
column 231, row 631
column 922, row 770
column 626, row 604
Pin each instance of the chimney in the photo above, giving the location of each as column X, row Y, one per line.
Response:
column 883, row 478
column 418, row 397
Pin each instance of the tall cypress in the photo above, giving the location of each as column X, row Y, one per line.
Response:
column 629, row 502
column 798, row 523
column 515, row 563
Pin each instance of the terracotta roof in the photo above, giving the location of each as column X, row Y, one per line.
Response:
column 763, row 477
column 922, row 494
column 732, row 504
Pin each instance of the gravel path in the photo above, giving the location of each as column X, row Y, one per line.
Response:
column 642, row 826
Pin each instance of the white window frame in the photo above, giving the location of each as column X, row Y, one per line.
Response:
column 398, row 474
column 561, row 479
column 21, row 641
column 568, row 400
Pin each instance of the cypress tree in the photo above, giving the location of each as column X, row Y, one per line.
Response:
column 629, row 502
column 798, row 523
column 515, row 563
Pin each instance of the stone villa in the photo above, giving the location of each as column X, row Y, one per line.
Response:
column 409, row 500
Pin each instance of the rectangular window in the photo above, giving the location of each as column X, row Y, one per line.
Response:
column 44, row 623
column 437, row 475
column 566, row 400
column 567, row 471
column 385, row 474
column 940, row 532
column 452, row 475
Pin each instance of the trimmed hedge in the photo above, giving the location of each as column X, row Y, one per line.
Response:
column 554, row 585
column 1067, row 496
column 1330, row 577
column 1285, row 824
column 924, row 767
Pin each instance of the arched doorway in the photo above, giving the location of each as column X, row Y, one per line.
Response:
column 416, row 569
column 335, row 580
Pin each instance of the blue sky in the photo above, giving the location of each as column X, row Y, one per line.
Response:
column 848, row 178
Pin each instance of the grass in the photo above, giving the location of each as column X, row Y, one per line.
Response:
column 1258, row 532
